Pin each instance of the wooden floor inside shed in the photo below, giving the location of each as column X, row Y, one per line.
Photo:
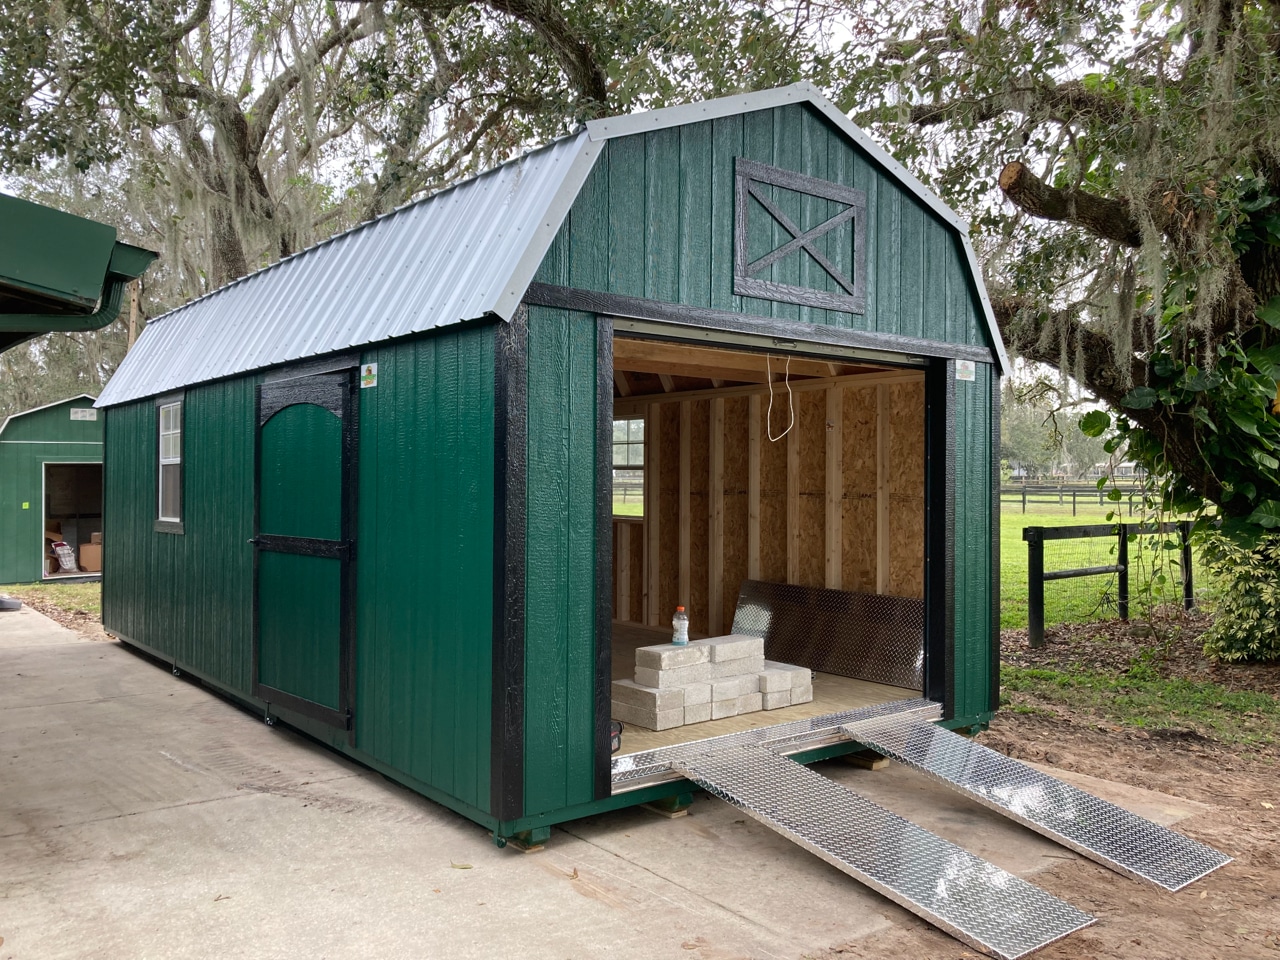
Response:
column 831, row 694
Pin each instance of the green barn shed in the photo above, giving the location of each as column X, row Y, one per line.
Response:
column 51, row 491
column 422, row 489
column 430, row 492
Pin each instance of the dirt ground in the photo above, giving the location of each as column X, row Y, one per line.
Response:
column 1233, row 913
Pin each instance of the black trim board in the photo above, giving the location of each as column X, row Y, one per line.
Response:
column 604, row 556
column 637, row 308
column 940, row 523
column 510, row 416
column 993, row 698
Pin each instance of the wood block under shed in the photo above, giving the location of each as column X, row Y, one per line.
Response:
column 867, row 760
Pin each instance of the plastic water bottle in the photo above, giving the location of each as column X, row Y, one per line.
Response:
column 680, row 627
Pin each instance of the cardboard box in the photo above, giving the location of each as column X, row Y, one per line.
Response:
column 91, row 557
column 95, row 538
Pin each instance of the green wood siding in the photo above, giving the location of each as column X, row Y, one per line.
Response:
column 26, row 445
column 974, row 521
column 424, row 561
column 187, row 596
column 424, row 552
column 655, row 220
column 560, row 555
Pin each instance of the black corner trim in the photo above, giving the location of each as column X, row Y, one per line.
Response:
column 506, row 767
column 604, row 556
column 638, row 308
column 940, row 525
column 994, row 688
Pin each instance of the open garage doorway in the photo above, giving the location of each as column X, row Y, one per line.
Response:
column 72, row 516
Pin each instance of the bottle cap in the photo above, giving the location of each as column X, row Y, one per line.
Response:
column 679, row 609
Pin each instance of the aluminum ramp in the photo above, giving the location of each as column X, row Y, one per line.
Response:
column 971, row 899
column 1089, row 825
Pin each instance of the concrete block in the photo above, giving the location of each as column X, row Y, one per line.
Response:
column 733, row 668
column 732, row 647
column 675, row 677
column 697, row 713
column 724, row 708
column 664, row 656
column 799, row 674
column 750, row 702
column 801, row 692
column 775, row 681
column 731, row 687
column 772, row 701
column 648, row 698
column 696, row 694
column 649, row 719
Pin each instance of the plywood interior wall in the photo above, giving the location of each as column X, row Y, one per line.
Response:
column 823, row 488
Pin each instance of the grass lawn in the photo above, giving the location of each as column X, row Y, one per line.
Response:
column 84, row 599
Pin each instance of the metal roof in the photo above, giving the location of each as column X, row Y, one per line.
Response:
column 463, row 253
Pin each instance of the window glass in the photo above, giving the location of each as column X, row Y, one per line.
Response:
column 171, row 461
column 628, row 467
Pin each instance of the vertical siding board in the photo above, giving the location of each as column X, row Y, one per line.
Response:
column 726, row 144
column 935, row 280
column 588, row 232
column 858, row 173
column 625, row 158
column 757, row 144
column 696, row 214
column 662, row 215
column 787, row 154
column 560, row 600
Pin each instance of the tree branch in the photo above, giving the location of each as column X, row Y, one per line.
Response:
column 1103, row 217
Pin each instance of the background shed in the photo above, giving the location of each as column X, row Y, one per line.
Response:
column 50, row 483
column 390, row 459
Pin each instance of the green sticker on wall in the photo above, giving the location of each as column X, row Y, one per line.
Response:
column 26, row 505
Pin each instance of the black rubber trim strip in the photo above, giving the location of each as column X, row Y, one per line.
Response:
column 993, row 699
column 604, row 557
column 940, row 484
column 506, row 749
column 308, row 708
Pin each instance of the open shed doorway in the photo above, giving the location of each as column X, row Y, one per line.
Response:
column 797, row 475
column 73, row 515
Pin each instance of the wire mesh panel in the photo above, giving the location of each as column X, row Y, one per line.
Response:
column 971, row 899
column 864, row 636
column 1091, row 826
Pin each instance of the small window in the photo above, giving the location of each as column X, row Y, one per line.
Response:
column 628, row 467
column 171, row 462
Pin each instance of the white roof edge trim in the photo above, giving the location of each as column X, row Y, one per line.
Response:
column 805, row 92
column 56, row 403
column 522, row 274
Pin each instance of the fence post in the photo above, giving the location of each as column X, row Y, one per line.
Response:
column 1073, row 503
column 1024, row 497
column 1188, row 587
column 1122, row 561
column 1035, row 584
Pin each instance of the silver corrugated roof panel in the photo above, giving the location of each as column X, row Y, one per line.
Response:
column 463, row 253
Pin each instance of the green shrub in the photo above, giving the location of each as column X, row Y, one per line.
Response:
column 1246, row 578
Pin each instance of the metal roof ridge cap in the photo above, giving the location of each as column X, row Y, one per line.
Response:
column 993, row 328
column 46, row 406
column 606, row 128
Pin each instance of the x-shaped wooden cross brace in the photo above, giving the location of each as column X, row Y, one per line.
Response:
column 800, row 239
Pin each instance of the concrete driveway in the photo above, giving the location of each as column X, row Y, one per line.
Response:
column 143, row 817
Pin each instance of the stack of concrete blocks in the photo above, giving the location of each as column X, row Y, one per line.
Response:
column 706, row 680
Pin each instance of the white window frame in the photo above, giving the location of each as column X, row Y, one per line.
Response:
column 174, row 457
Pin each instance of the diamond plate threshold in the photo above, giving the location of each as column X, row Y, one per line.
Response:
column 969, row 898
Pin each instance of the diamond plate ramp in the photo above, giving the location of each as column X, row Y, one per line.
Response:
column 971, row 899
column 1089, row 825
